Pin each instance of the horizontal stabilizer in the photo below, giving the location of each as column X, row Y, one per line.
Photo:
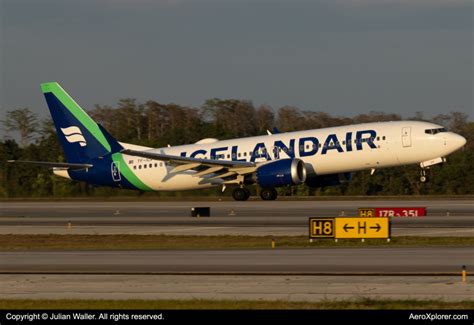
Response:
column 52, row 164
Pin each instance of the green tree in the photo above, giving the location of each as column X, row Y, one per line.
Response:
column 156, row 125
column 230, row 118
column 23, row 121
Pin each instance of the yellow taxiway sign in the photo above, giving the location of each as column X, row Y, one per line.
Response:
column 356, row 227
column 362, row 227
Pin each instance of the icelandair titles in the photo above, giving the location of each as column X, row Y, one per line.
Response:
column 308, row 146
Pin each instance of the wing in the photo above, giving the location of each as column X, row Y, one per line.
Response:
column 230, row 171
column 52, row 164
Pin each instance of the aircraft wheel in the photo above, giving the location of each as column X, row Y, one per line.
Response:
column 423, row 177
column 268, row 194
column 241, row 194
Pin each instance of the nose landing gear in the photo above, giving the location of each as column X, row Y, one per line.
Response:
column 423, row 176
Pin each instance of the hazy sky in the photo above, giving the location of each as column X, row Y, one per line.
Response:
column 340, row 56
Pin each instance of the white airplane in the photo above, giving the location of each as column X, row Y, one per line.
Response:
column 320, row 157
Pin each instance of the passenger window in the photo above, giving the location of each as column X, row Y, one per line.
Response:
column 383, row 138
column 134, row 167
column 140, row 167
column 144, row 166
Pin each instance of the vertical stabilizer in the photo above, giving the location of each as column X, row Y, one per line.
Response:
column 81, row 137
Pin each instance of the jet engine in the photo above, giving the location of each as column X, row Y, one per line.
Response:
column 280, row 173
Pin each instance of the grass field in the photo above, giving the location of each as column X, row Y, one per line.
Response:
column 130, row 242
column 230, row 304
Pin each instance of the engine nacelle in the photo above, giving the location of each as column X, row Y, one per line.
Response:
column 328, row 180
column 281, row 172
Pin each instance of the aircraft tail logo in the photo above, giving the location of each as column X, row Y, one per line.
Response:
column 73, row 134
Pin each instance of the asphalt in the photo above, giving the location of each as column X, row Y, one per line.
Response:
column 280, row 274
column 445, row 217
column 276, row 261
column 250, row 287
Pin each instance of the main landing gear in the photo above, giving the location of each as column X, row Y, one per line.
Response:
column 241, row 194
column 268, row 194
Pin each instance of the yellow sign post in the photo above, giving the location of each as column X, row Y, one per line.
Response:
column 355, row 227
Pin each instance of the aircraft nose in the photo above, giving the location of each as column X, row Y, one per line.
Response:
column 457, row 141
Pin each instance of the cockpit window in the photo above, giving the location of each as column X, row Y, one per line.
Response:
column 434, row 131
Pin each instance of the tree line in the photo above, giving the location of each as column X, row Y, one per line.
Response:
column 157, row 125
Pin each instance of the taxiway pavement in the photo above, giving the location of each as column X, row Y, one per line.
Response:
column 251, row 287
column 241, row 261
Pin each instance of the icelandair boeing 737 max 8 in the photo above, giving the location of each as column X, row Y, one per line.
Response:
column 320, row 157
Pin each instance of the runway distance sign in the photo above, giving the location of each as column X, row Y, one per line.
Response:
column 351, row 227
column 392, row 212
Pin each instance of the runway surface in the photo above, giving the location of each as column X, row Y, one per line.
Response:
column 445, row 217
column 305, row 261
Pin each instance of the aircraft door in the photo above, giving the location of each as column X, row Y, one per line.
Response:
column 406, row 136
column 115, row 170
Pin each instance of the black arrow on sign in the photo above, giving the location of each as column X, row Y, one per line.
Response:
column 346, row 226
column 378, row 227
